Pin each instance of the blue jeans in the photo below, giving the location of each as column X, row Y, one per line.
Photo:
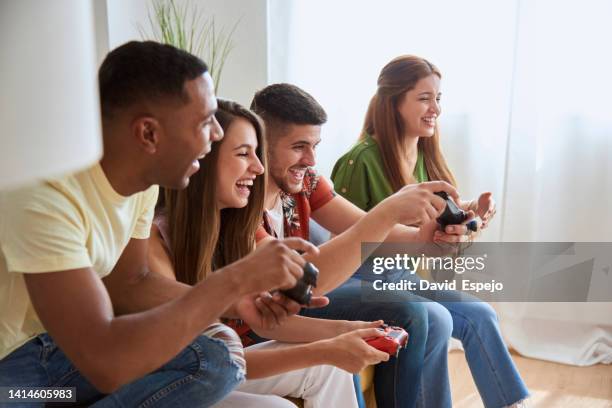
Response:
column 200, row 375
column 396, row 382
column 475, row 324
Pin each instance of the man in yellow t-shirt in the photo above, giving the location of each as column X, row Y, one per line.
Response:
column 78, row 307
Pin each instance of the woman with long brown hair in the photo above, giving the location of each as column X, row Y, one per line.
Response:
column 211, row 224
column 400, row 145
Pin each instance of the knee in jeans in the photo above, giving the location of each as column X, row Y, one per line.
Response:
column 218, row 372
column 231, row 340
column 409, row 315
column 440, row 323
column 482, row 313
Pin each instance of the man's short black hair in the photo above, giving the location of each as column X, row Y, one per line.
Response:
column 287, row 104
column 145, row 70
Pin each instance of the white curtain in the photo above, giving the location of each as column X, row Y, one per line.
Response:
column 559, row 178
column 525, row 114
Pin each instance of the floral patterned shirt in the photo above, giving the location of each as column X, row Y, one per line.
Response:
column 316, row 192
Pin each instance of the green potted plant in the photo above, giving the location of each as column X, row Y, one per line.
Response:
column 185, row 26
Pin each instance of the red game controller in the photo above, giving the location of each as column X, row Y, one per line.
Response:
column 394, row 339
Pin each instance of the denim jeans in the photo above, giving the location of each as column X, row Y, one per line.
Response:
column 475, row 324
column 200, row 375
column 396, row 382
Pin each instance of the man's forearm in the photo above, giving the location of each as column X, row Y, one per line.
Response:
column 149, row 290
column 341, row 256
column 136, row 344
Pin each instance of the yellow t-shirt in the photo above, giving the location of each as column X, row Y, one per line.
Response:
column 77, row 221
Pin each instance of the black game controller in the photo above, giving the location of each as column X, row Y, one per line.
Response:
column 302, row 291
column 454, row 215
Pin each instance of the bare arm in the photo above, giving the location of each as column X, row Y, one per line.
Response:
column 341, row 256
column 158, row 256
column 159, row 263
column 301, row 329
column 347, row 351
column 111, row 351
column 131, row 285
column 340, row 214
column 261, row 313
column 268, row 362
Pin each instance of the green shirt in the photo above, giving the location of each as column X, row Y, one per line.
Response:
column 359, row 175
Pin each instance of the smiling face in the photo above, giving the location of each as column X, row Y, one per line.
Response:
column 237, row 165
column 190, row 128
column 419, row 108
column 291, row 154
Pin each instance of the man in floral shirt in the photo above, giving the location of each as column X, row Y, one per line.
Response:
column 295, row 193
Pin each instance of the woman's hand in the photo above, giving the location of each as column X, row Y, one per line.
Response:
column 484, row 207
column 456, row 234
column 452, row 234
column 351, row 325
column 266, row 311
column 350, row 352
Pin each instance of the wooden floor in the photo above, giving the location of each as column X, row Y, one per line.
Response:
column 551, row 385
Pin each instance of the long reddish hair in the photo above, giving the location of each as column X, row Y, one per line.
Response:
column 384, row 122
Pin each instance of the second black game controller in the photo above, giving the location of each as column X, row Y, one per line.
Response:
column 453, row 215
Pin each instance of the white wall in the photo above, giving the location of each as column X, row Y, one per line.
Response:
column 246, row 69
column 49, row 121
column 101, row 30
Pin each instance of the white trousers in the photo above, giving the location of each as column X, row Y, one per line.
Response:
column 319, row 386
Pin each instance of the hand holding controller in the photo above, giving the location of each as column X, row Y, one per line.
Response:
column 454, row 215
column 394, row 339
column 302, row 291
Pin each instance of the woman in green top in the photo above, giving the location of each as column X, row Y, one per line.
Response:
column 399, row 145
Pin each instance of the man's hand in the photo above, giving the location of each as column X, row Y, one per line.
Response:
column 350, row 352
column 416, row 204
column 276, row 265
